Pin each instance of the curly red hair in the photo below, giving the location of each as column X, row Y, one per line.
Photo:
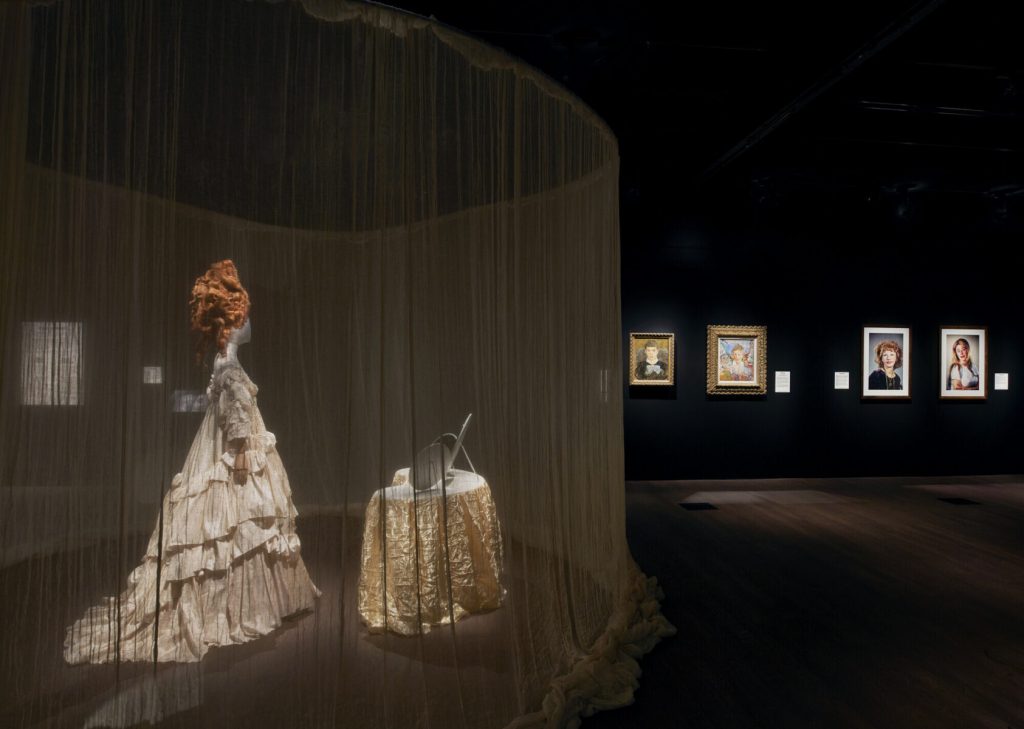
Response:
column 219, row 304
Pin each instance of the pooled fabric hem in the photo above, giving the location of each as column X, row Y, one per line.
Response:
column 608, row 676
column 249, row 602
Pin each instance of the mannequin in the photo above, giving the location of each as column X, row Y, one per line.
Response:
column 238, row 337
column 225, row 567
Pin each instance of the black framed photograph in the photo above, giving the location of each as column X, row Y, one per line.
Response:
column 885, row 363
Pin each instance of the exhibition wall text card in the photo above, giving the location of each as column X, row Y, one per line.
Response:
column 842, row 381
column 781, row 381
column 1002, row 381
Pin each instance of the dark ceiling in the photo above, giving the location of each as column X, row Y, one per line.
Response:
column 892, row 107
column 897, row 110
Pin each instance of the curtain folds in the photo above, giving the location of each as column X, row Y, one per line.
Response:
column 426, row 228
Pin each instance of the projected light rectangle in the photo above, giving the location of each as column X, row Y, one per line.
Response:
column 51, row 363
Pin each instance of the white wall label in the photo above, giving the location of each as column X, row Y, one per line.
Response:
column 842, row 381
column 781, row 381
column 1002, row 381
column 152, row 375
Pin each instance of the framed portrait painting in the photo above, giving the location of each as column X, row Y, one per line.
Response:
column 885, row 363
column 652, row 358
column 737, row 360
column 963, row 363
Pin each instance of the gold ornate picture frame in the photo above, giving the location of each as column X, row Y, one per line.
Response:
column 737, row 360
column 652, row 358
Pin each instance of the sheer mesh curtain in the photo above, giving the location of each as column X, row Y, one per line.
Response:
column 426, row 228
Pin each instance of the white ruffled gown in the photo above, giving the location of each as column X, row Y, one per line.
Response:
column 230, row 569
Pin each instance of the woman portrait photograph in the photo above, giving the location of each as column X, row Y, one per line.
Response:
column 886, row 362
column 962, row 361
column 653, row 358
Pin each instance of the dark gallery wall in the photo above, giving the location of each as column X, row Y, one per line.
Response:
column 814, row 280
column 811, row 172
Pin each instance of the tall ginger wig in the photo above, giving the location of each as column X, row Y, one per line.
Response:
column 219, row 304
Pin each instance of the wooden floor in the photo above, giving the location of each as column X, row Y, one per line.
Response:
column 861, row 603
column 321, row 669
column 800, row 604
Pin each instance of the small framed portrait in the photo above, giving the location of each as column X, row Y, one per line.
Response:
column 885, row 363
column 737, row 360
column 963, row 363
column 652, row 358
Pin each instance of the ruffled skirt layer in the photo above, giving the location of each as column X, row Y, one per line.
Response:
column 228, row 569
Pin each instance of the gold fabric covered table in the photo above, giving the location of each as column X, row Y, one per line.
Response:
column 409, row 582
